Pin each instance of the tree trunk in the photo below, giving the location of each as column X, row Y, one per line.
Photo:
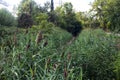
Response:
column 52, row 5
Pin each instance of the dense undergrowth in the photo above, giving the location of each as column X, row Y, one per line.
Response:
column 92, row 55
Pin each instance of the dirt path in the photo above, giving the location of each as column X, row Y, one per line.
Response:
column 70, row 42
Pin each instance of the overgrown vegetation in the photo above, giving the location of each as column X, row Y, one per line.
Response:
column 60, row 44
column 90, row 56
column 96, row 54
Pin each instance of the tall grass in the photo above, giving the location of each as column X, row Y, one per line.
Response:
column 95, row 52
column 90, row 56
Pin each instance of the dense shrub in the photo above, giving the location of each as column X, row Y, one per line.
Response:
column 65, row 18
column 70, row 24
column 25, row 21
column 40, row 18
column 6, row 18
column 74, row 27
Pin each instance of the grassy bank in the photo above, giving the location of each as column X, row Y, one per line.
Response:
column 92, row 55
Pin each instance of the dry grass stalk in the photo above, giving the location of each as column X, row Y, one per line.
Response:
column 68, row 56
column 15, row 39
column 39, row 37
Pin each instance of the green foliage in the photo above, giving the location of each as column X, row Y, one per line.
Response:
column 6, row 18
column 87, row 20
column 117, row 66
column 107, row 14
column 33, row 9
column 45, row 26
column 47, row 52
column 66, row 19
column 41, row 17
column 26, row 6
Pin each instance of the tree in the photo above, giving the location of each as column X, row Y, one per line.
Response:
column 52, row 5
column 30, row 7
column 66, row 19
column 87, row 19
column 6, row 18
column 107, row 12
column 25, row 6
column 26, row 13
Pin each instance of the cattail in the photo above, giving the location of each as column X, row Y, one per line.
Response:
column 45, row 44
column 65, row 70
column 39, row 37
column 47, row 64
column 62, row 55
column 19, row 57
column 68, row 56
column 48, row 61
column 55, row 66
column 65, row 73
column 28, row 45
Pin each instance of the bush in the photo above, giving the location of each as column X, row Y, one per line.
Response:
column 6, row 18
column 74, row 27
column 25, row 21
column 41, row 17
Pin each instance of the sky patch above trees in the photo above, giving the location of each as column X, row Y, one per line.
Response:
column 78, row 5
